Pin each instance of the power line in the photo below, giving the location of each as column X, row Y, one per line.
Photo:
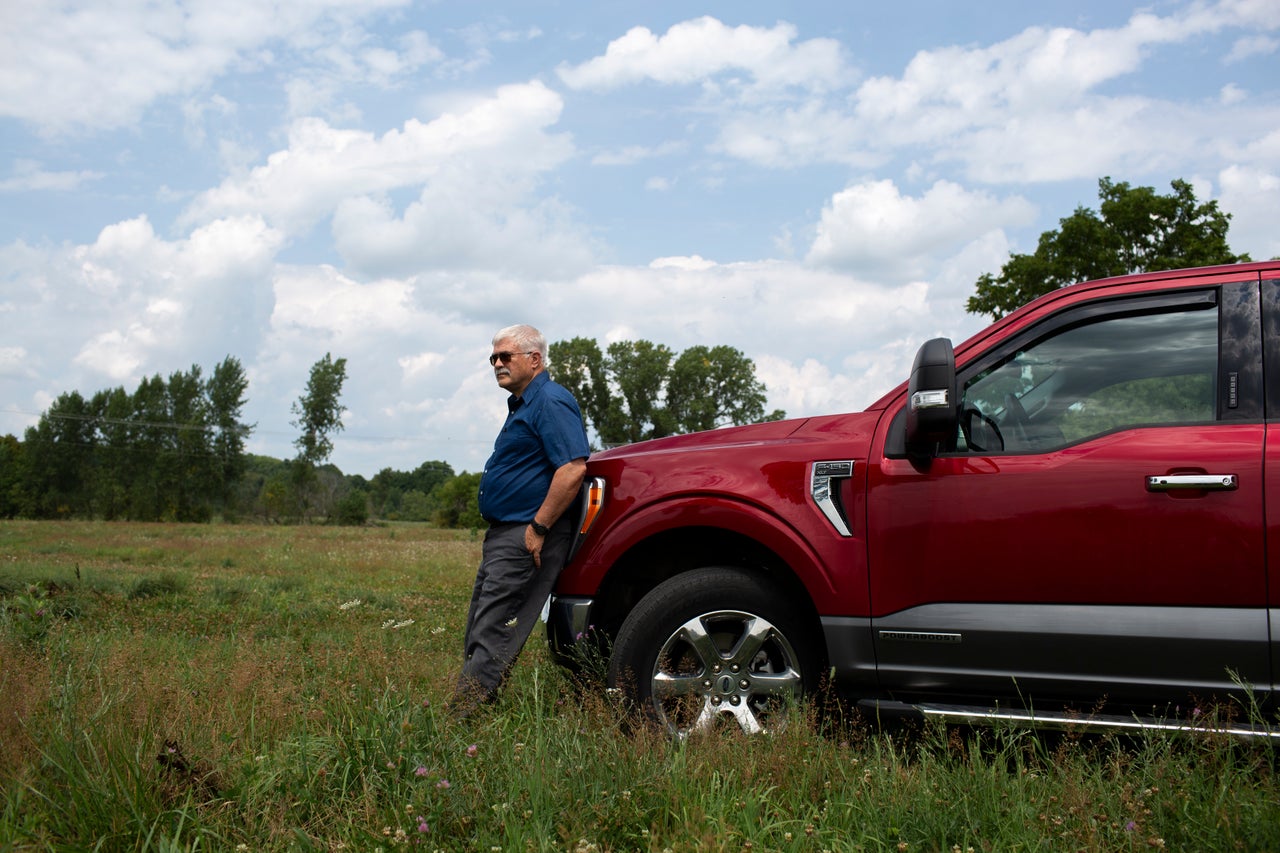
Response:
column 100, row 419
column 242, row 429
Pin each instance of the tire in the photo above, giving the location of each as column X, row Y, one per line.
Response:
column 714, row 646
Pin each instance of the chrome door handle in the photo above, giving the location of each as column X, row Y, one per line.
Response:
column 1198, row 482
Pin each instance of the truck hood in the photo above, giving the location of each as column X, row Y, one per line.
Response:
column 826, row 427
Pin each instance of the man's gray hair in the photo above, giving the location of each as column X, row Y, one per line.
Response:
column 525, row 337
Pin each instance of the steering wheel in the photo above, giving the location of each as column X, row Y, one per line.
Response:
column 1015, row 417
column 967, row 427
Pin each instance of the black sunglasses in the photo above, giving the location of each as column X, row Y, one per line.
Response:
column 506, row 357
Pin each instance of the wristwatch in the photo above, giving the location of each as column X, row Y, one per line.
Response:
column 540, row 529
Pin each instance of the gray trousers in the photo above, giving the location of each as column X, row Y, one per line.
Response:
column 506, row 602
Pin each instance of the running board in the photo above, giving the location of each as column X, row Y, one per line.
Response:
column 1074, row 722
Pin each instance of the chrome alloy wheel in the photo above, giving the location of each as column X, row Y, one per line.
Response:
column 725, row 665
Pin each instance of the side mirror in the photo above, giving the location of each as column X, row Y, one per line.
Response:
column 933, row 413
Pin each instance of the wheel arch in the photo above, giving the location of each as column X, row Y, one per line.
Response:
column 674, row 551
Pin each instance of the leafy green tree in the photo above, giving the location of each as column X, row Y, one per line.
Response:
column 389, row 489
column 319, row 414
column 12, row 464
column 429, row 476
column 59, row 452
column 579, row 366
column 225, row 391
column 1138, row 231
column 149, row 440
column 458, row 504
column 114, row 452
column 416, row 506
column 319, row 410
column 638, row 390
column 277, row 499
column 188, row 462
column 638, row 371
column 353, row 507
column 711, row 387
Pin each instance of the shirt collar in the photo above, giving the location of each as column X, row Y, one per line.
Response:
column 530, row 391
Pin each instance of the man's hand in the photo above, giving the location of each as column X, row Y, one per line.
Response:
column 564, row 489
column 533, row 544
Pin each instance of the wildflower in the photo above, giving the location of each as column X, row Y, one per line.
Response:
column 472, row 750
column 422, row 825
column 443, row 783
column 420, row 771
column 348, row 605
column 439, row 629
column 512, row 622
column 1130, row 826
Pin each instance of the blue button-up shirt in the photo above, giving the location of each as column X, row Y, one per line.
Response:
column 543, row 431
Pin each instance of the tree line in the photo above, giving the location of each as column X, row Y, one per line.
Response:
column 173, row 449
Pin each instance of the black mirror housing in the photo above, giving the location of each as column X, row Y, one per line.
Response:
column 933, row 412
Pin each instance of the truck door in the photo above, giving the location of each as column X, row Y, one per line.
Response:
column 1099, row 529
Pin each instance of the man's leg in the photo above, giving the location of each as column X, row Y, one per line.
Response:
column 506, row 602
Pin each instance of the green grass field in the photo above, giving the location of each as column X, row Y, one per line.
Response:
column 172, row 687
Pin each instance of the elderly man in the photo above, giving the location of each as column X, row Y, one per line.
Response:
column 531, row 479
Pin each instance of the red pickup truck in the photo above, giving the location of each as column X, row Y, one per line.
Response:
column 1075, row 509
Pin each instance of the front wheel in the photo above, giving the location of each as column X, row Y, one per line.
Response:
column 714, row 645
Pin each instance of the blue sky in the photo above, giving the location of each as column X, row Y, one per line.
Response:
column 391, row 182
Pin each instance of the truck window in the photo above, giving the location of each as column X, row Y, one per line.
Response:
column 1121, row 371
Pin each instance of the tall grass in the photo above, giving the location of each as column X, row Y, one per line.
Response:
column 167, row 687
